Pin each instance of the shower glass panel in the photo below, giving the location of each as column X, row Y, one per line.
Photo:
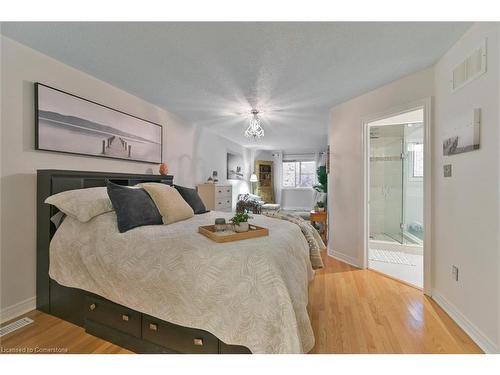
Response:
column 396, row 183
column 413, row 183
column 386, row 182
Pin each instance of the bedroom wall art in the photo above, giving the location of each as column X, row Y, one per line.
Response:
column 234, row 166
column 70, row 124
column 465, row 136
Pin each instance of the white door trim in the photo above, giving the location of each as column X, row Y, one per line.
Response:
column 426, row 104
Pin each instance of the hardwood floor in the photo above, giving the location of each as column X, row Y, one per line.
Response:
column 352, row 311
column 361, row 311
column 53, row 335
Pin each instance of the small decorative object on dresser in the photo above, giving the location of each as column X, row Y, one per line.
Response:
column 240, row 222
column 163, row 169
column 216, row 197
column 214, row 177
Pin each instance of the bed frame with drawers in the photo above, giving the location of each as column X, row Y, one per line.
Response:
column 100, row 317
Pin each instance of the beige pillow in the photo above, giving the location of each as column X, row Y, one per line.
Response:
column 82, row 204
column 170, row 203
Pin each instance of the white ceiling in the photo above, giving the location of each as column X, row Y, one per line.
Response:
column 212, row 74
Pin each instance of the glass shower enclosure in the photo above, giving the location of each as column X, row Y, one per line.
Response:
column 396, row 183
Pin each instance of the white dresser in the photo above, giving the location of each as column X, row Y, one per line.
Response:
column 216, row 197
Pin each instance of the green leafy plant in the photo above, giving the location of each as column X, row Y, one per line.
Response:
column 320, row 204
column 240, row 217
column 322, row 185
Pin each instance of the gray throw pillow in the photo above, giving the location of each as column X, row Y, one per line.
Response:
column 192, row 198
column 133, row 207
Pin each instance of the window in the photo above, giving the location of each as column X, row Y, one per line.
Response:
column 417, row 163
column 299, row 174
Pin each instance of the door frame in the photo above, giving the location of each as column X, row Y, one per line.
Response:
column 426, row 105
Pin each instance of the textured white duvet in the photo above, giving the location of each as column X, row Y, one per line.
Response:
column 252, row 293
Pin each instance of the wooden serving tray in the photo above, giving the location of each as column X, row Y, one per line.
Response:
column 229, row 236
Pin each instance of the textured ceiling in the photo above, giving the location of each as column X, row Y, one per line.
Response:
column 212, row 74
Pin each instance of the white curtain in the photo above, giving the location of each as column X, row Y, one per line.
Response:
column 320, row 158
column 278, row 175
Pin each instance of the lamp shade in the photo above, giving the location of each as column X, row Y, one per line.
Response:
column 253, row 178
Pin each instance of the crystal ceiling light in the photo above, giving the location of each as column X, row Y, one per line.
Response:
column 254, row 130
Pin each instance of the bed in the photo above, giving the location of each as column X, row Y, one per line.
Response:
column 167, row 288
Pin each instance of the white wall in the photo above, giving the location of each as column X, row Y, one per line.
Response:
column 466, row 206
column 20, row 67
column 1, row 171
column 345, row 181
column 263, row 155
column 211, row 155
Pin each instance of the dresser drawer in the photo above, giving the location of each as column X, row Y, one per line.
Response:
column 222, row 202
column 113, row 315
column 223, row 191
column 177, row 338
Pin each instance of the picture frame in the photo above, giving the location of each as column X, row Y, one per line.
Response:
column 235, row 166
column 71, row 124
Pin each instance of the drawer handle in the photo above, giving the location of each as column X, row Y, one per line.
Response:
column 125, row 317
column 219, row 202
column 227, row 201
column 92, row 307
column 198, row 342
column 153, row 327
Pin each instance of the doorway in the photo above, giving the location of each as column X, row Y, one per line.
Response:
column 395, row 184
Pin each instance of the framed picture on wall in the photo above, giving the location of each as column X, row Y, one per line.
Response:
column 463, row 135
column 68, row 123
column 234, row 166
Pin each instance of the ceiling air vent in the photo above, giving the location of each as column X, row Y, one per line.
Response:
column 471, row 68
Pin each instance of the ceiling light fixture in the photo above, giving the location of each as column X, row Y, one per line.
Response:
column 254, row 130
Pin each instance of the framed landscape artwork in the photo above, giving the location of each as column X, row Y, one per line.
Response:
column 234, row 166
column 70, row 124
column 464, row 136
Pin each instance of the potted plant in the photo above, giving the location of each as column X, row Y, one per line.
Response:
column 322, row 185
column 240, row 222
column 320, row 206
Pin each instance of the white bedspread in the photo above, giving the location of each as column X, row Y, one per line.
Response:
column 252, row 293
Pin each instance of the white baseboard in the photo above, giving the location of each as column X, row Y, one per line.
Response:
column 487, row 345
column 18, row 309
column 344, row 258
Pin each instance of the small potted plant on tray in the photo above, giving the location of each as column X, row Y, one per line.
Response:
column 240, row 222
column 320, row 206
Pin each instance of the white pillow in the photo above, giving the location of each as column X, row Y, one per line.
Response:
column 82, row 204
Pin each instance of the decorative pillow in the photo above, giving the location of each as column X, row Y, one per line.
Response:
column 192, row 198
column 134, row 207
column 170, row 203
column 58, row 218
column 82, row 204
